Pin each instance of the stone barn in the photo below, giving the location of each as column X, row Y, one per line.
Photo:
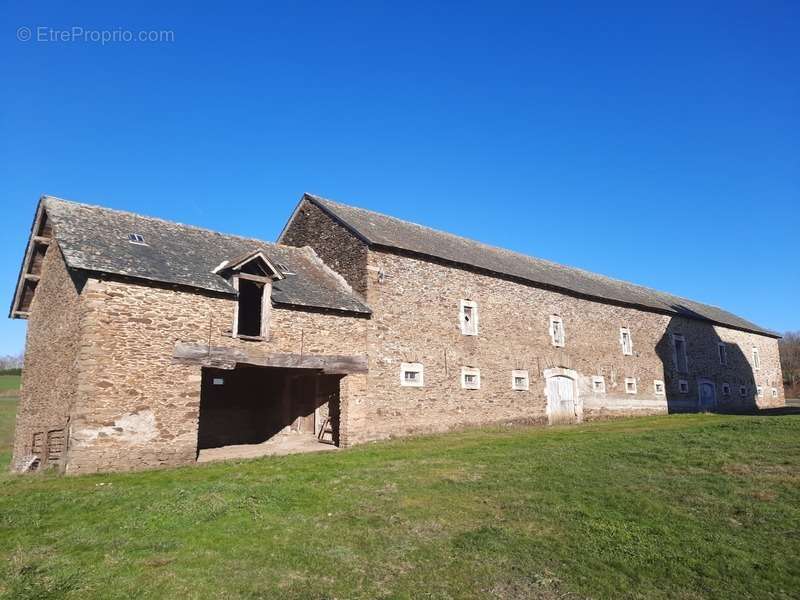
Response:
column 152, row 343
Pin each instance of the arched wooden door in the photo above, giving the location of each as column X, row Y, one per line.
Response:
column 562, row 400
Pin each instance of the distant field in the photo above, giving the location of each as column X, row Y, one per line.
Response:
column 8, row 410
column 9, row 384
column 681, row 507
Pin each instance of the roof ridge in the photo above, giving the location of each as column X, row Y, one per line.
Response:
column 659, row 299
column 514, row 253
column 167, row 221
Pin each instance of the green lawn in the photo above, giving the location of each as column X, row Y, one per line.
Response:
column 9, row 382
column 696, row 506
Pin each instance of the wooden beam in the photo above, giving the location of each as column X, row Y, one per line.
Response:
column 227, row 358
column 21, row 314
column 32, row 277
column 44, row 241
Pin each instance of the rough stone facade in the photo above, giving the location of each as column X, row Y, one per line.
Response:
column 416, row 302
column 100, row 368
column 52, row 369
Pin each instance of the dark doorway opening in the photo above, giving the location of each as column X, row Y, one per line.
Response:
column 253, row 405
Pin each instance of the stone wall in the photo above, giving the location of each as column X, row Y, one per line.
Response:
column 50, row 377
column 416, row 319
column 335, row 245
column 137, row 408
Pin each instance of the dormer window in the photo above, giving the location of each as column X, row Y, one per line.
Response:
column 251, row 276
column 136, row 238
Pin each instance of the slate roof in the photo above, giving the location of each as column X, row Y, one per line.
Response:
column 96, row 239
column 380, row 230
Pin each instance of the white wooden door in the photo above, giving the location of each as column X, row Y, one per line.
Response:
column 561, row 398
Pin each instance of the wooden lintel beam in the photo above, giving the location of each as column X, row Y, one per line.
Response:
column 32, row 277
column 227, row 358
column 21, row 314
column 44, row 241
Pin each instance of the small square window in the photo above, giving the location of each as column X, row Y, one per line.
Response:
column 774, row 392
column 756, row 359
column 218, row 381
column 722, row 349
column 411, row 375
column 468, row 316
column 598, row 384
column 470, row 378
column 683, row 386
column 557, row 331
column 630, row 385
column 625, row 341
column 658, row 386
column 726, row 389
column 760, row 391
column 519, row 380
column 742, row 391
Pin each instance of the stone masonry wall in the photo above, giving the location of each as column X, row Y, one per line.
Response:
column 334, row 244
column 50, row 377
column 416, row 319
column 139, row 409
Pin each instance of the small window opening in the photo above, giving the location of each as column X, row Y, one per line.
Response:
column 626, row 341
column 519, row 380
column 470, row 378
column 760, row 392
column 136, row 238
column 630, row 385
column 557, row 331
column 726, row 389
column 742, row 391
column 658, row 386
column 723, row 353
column 218, row 381
column 756, row 359
column 411, row 374
column 599, row 384
column 251, row 299
column 774, row 392
column 469, row 317
column 284, row 269
column 683, row 386
column 679, row 348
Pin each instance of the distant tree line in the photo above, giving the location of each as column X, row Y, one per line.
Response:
column 789, row 347
column 11, row 364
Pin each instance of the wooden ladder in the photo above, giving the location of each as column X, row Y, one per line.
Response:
column 326, row 429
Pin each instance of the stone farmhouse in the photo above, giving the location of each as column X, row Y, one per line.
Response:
column 151, row 342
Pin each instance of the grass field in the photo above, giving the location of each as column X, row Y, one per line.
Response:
column 9, row 383
column 696, row 506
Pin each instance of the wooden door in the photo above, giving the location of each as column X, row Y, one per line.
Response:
column 561, row 399
column 707, row 395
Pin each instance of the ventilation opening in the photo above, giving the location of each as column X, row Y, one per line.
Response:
column 251, row 299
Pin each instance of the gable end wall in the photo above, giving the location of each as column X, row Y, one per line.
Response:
column 50, row 377
column 338, row 248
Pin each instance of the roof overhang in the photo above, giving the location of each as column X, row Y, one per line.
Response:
column 39, row 240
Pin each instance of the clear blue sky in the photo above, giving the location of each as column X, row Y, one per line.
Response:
column 655, row 143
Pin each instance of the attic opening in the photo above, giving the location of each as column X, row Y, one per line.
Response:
column 251, row 301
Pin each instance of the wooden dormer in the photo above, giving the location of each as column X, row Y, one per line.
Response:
column 251, row 275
